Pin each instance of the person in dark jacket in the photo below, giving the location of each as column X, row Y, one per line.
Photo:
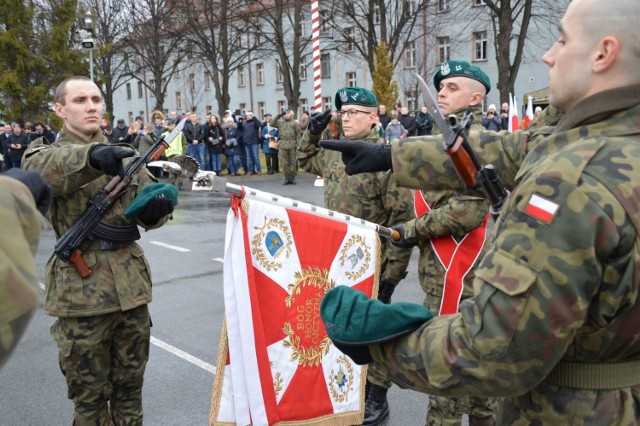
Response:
column 252, row 137
column 232, row 146
column 18, row 143
column 425, row 122
column 383, row 116
column 408, row 121
column 41, row 130
column 214, row 144
column 492, row 121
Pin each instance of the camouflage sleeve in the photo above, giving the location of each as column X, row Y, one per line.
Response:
column 65, row 167
column 18, row 277
column 421, row 162
column 398, row 203
column 533, row 291
column 310, row 155
column 274, row 122
column 460, row 215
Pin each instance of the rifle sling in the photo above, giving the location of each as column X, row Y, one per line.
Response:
column 116, row 234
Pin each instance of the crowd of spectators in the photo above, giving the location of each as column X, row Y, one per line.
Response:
column 16, row 137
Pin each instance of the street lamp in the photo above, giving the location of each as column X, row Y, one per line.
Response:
column 85, row 37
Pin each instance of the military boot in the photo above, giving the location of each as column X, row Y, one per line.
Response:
column 376, row 407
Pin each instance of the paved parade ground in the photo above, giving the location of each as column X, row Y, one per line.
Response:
column 186, row 258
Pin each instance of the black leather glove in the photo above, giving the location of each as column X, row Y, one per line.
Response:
column 282, row 113
column 157, row 208
column 360, row 354
column 385, row 291
column 39, row 187
column 318, row 122
column 109, row 158
column 402, row 243
column 361, row 156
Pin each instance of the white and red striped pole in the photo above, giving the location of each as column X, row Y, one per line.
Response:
column 317, row 66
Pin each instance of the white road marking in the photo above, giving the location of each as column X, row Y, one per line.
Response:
column 182, row 354
column 218, row 259
column 169, row 246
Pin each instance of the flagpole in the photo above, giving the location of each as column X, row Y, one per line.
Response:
column 317, row 65
column 221, row 185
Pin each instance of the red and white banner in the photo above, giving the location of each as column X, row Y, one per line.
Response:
column 528, row 117
column 513, row 114
column 276, row 364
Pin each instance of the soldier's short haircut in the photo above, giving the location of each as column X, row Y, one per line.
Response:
column 61, row 90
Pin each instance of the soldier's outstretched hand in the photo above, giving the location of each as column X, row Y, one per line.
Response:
column 361, row 156
column 109, row 158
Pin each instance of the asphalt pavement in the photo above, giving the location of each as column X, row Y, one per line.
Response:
column 186, row 258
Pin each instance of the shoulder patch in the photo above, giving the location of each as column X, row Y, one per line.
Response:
column 541, row 208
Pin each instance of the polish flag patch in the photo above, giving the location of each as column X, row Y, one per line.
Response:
column 541, row 208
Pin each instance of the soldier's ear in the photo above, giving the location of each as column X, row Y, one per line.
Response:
column 60, row 110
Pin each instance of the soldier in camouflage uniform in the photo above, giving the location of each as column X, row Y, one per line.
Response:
column 103, row 326
column 289, row 139
column 451, row 217
column 23, row 222
column 552, row 325
column 373, row 197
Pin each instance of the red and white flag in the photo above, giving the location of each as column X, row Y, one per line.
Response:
column 276, row 364
column 528, row 118
column 513, row 114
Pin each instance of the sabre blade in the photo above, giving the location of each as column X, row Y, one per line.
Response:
column 432, row 106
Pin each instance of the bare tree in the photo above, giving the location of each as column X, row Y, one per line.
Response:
column 154, row 45
column 215, row 37
column 280, row 25
column 364, row 24
column 511, row 23
column 111, row 23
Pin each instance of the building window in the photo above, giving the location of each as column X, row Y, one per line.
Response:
column 376, row 14
column 412, row 103
column 410, row 54
column 324, row 17
column 303, row 68
column 178, row 100
column 480, row 46
column 350, row 42
column 241, row 82
column 303, row 105
column 262, row 110
column 192, row 82
column 326, row 103
column 152, row 84
column 412, row 7
column 141, row 114
column 208, row 109
column 207, row 81
column 281, row 106
column 442, row 6
column 259, row 73
column 303, row 28
column 477, row 2
column 140, row 90
column 128, row 91
column 279, row 74
column 325, row 64
column 243, row 107
column 443, row 49
column 351, row 79
column 130, row 117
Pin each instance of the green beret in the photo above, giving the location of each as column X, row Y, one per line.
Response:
column 355, row 96
column 352, row 319
column 148, row 193
column 460, row 69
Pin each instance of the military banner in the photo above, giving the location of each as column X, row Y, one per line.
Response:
column 276, row 364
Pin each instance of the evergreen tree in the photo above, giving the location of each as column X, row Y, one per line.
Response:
column 385, row 89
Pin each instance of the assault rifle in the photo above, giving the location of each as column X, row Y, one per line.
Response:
column 472, row 173
column 88, row 225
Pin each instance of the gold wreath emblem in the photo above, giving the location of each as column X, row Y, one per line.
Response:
column 319, row 279
column 256, row 243
column 341, row 382
column 354, row 257
column 277, row 383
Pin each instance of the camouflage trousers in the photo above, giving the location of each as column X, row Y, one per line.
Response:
column 103, row 359
column 445, row 411
column 288, row 158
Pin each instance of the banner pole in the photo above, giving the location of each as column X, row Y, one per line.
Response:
column 221, row 185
